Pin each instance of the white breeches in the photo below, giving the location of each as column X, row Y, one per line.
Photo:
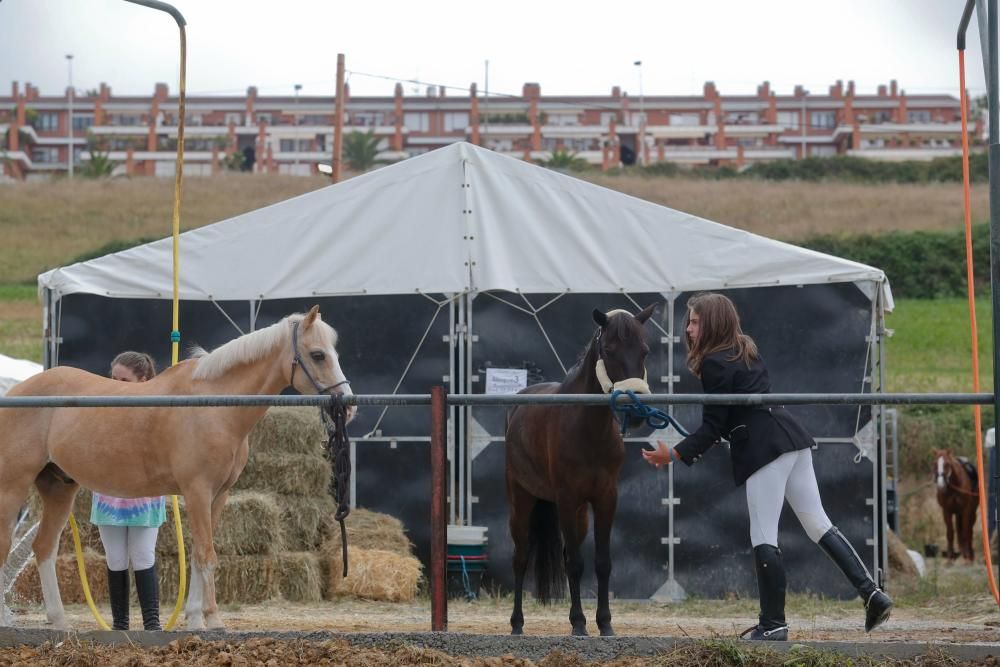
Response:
column 789, row 477
column 129, row 543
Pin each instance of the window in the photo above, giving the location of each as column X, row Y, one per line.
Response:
column 742, row 118
column 315, row 119
column 456, row 121
column 563, row 119
column 826, row 120
column 608, row 116
column 234, row 118
column 788, row 119
column 47, row 122
column 126, row 119
column 684, row 119
column 193, row 119
column 45, row 154
column 287, row 145
column 919, row 116
column 417, row 122
column 823, row 151
column 82, row 122
column 368, row 118
column 263, row 118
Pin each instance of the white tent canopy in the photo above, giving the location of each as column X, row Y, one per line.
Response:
column 14, row 370
column 457, row 219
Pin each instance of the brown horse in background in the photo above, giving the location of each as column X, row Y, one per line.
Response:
column 560, row 459
column 958, row 496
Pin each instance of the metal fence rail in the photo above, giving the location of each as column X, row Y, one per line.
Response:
column 217, row 400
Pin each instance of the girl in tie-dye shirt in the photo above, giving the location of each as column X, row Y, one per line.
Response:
column 129, row 526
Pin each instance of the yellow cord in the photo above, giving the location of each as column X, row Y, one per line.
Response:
column 175, row 340
column 83, row 574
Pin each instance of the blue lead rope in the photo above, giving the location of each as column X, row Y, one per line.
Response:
column 639, row 410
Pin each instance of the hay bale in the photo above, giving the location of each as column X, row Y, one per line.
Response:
column 289, row 474
column 899, row 561
column 28, row 587
column 368, row 530
column 306, row 520
column 373, row 574
column 250, row 525
column 299, row 577
column 289, row 430
column 244, row 579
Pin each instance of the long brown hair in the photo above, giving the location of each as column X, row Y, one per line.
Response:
column 140, row 363
column 719, row 329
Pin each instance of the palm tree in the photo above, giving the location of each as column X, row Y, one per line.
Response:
column 360, row 150
column 565, row 160
column 99, row 165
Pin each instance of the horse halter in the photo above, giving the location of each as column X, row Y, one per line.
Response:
column 636, row 385
column 298, row 362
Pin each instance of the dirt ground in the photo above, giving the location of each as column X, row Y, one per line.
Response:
column 952, row 605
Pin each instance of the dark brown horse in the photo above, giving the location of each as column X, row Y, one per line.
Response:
column 958, row 496
column 562, row 458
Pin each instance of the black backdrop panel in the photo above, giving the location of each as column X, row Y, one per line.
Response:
column 378, row 337
column 813, row 339
column 95, row 328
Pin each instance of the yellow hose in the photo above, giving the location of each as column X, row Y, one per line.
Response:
column 83, row 574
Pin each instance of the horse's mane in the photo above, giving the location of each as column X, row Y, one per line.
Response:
column 247, row 348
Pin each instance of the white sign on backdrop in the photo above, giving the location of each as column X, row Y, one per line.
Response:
column 506, row 380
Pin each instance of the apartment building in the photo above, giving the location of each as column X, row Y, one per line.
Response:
column 292, row 134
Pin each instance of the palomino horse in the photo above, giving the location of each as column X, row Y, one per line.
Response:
column 133, row 452
column 562, row 458
column 958, row 496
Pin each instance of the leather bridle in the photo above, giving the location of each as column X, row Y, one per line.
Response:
column 299, row 362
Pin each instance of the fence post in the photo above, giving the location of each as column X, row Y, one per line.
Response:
column 439, row 539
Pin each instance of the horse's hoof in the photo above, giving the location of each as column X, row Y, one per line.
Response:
column 580, row 632
column 196, row 623
column 607, row 632
column 516, row 631
column 214, row 622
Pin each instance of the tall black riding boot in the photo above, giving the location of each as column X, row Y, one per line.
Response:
column 771, row 584
column 118, row 592
column 147, row 588
column 877, row 604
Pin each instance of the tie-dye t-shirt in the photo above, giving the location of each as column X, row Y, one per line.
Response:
column 111, row 511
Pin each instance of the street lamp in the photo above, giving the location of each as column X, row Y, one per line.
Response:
column 69, row 132
column 298, row 87
column 641, row 149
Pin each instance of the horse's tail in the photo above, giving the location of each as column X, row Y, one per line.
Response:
column 547, row 549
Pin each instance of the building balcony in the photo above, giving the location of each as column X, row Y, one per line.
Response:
column 901, row 154
column 753, row 130
column 698, row 154
column 506, row 131
column 679, row 131
column 889, row 130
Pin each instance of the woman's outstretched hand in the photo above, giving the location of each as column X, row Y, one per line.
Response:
column 661, row 455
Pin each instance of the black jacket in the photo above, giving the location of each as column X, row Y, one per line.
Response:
column 757, row 435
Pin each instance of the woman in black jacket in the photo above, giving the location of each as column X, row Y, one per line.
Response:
column 771, row 453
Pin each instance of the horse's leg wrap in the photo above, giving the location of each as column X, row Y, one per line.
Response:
column 54, row 611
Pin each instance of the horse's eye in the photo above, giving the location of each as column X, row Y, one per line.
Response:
column 317, row 356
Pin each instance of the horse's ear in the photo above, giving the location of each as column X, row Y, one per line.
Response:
column 600, row 317
column 310, row 317
column 646, row 312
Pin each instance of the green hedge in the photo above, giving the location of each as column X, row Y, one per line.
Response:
column 841, row 168
column 920, row 264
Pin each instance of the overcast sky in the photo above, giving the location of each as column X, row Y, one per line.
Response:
column 579, row 47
